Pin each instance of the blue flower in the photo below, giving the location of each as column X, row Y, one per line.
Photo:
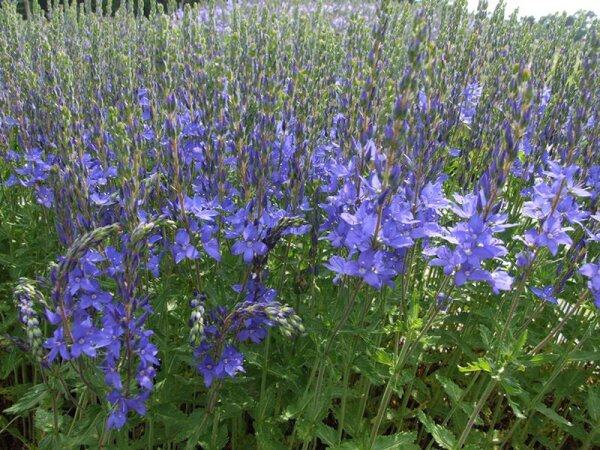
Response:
column 231, row 362
column 182, row 248
column 253, row 330
column 592, row 271
column 208, row 369
column 545, row 294
column 57, row 345
column 551, row 236
column 249, row 245
column 372, row 268
column 87, row 338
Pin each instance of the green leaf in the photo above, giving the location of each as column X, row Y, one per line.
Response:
column 398, row 441
column 584, row 356
column 327, row 434
column 519, row 344
column 552, row 415
column 33, row 397
column 453, row 390
column 44, row 420
column 382, row 357
column 51, row 442
column 486, row 336
column 593, row 403
column 511, row 386
column 442, row 436
column 404, row 441
column 479, row 365
column 86, row 432
column 515, row 408
column 539, row 359
column 269, row 437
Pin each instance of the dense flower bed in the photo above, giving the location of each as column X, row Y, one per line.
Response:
column 310, row 226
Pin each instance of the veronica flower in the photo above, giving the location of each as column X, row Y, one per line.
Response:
column 551, row 235
column 57, row 345
column 253, row 330
column 182, row 248
column 471, row 95
column 372, row 267
column 208, row 370
column 87, row 339
column 546, row 294
column 592, row 271
column 231, row 362
column 250, row 244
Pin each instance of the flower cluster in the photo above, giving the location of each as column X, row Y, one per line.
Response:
column 247, row 161
column 215, row 334
column 472, row 242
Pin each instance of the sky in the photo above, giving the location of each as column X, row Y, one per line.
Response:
column 538, row 8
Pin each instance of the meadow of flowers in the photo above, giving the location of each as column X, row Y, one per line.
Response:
column 299, row 226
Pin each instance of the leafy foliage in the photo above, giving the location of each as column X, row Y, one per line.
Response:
column 298, row 225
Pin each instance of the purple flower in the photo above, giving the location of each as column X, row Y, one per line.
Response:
column 147, row 351
column 182, row 248
column 467, row 273
column 545, row 294
column 592, row 271
column 57, row 346
column 115, row 259
column 372, row 268
column 448, row 259
column 208, row 369
column 231, row 361
column 102, row 199
column 501, row 281
column 551, row 236
column 83, row 341
column 253, row 331
column 45, row 196
column 249, row 245
column 95, row 299
column 78, row 281
column 122, row 405
column 117, row 419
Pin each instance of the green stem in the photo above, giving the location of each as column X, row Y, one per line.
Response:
column 263, row 381
column 478, row 407
column 406, row 397
column 348, row 367
column 560, row 325
column 497, row 411
column 398, row 365
column 556, row 371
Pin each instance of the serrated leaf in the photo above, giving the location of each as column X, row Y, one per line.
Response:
column 515, row 408
column 382, row 357
column 511, row 386
column 396, row 441
column 33, row 397
column 486, row 335
column 539, row 360
column 480, row 365
column 453, row 390
column 593, row 403
column 51, row 442
column 552, row 415
column 269, row 437
column 442, row 436
column 327, row 434
column 44, row 420
column 584, row 356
